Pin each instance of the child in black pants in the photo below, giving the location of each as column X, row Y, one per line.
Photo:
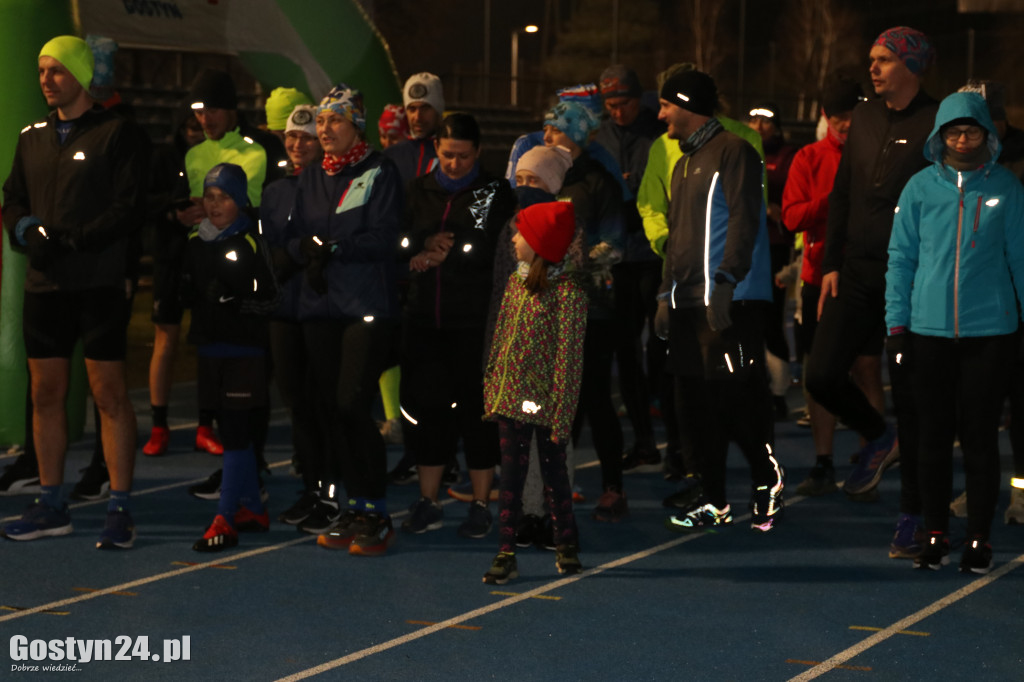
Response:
column 229, row 284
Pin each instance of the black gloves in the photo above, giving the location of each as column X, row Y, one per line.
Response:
column 40, row 248
column 316, row 252
column 719, row 318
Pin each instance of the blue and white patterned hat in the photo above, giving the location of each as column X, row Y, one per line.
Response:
column 573, row 119
column 346, row 101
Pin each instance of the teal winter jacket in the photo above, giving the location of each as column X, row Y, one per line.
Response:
column 957, row 245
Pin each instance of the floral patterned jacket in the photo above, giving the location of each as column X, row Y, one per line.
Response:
column 536, row 360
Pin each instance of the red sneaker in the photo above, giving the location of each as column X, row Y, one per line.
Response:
column 247, row 521
column 159, row 437
column 206, row 440
column 218, row 537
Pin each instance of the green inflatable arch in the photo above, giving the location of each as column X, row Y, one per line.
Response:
column 309, row 45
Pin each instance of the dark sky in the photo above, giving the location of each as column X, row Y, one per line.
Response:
column 445, row 36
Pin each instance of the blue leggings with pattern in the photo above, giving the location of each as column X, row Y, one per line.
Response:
column 515, row 462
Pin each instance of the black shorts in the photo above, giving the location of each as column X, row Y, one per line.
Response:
column 54, row 321
column 167, row 308
column 232, row 383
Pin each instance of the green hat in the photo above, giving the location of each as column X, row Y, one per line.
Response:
column 280, row 105
column 75, row 54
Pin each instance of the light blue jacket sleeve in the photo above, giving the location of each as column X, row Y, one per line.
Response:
column 1015, row 238
column 904, row 254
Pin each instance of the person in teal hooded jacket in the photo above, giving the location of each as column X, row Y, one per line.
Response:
column 956, row 268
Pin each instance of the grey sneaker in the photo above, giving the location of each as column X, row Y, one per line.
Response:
column 424, row 515
column 478, row 521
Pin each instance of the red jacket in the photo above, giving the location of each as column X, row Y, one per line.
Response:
column 805, row 200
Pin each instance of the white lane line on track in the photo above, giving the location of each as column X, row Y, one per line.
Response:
column 490, row 608
column 180, row 571
column 914, row 618
column 154, row 578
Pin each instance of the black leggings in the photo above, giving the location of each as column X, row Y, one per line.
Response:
column 1017, row 406
column 636, row 290
column 442, row 390
column 851, row 325
column 346, row 358
column 515, row 462
column 960, row 386
column 292, row 374
column 595, row 403
column 717, row 402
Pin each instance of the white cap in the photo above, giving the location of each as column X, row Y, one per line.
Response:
column 303, row 117
column 424, row 87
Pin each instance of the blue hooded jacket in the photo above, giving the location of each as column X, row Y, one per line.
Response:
column 957, row 244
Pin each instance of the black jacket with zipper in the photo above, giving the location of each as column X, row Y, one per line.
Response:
column 457, row 292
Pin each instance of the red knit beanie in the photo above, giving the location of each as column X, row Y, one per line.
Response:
column 548, row 228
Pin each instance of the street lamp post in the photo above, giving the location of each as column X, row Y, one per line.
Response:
column 514, row 93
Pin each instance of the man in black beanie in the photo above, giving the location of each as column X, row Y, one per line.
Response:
column 713, row 301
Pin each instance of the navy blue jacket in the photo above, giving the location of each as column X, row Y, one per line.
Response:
column 358, row 211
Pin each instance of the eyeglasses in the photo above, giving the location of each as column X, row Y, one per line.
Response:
column 972, row 133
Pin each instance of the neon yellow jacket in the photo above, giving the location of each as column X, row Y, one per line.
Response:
column 654, row 193
column 232, row 148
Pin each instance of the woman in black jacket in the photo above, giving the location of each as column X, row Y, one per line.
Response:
column 453, row 217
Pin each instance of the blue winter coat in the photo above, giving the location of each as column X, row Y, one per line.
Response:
column 358, row 211
column 957, row 243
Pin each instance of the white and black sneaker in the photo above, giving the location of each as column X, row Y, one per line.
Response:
column 300, row 511
column 324, row 514
column 21, row 477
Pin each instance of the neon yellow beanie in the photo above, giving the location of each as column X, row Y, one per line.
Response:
column 75, row 54
column 281, row 103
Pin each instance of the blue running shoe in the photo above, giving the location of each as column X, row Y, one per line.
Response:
column 40, row 520
column 872, row 461
column 906, row 543
column 118, row 531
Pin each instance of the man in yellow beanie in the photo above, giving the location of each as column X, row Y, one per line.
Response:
column 72, row 203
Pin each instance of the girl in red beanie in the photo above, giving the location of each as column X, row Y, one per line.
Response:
column 532, row 380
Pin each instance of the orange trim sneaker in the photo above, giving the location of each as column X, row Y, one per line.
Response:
column 206, row 441
column 159, row 438
column 218, row 537
column 343, row 532
column 375, row 535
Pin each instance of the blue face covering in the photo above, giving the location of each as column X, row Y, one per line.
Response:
column 528, row 196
